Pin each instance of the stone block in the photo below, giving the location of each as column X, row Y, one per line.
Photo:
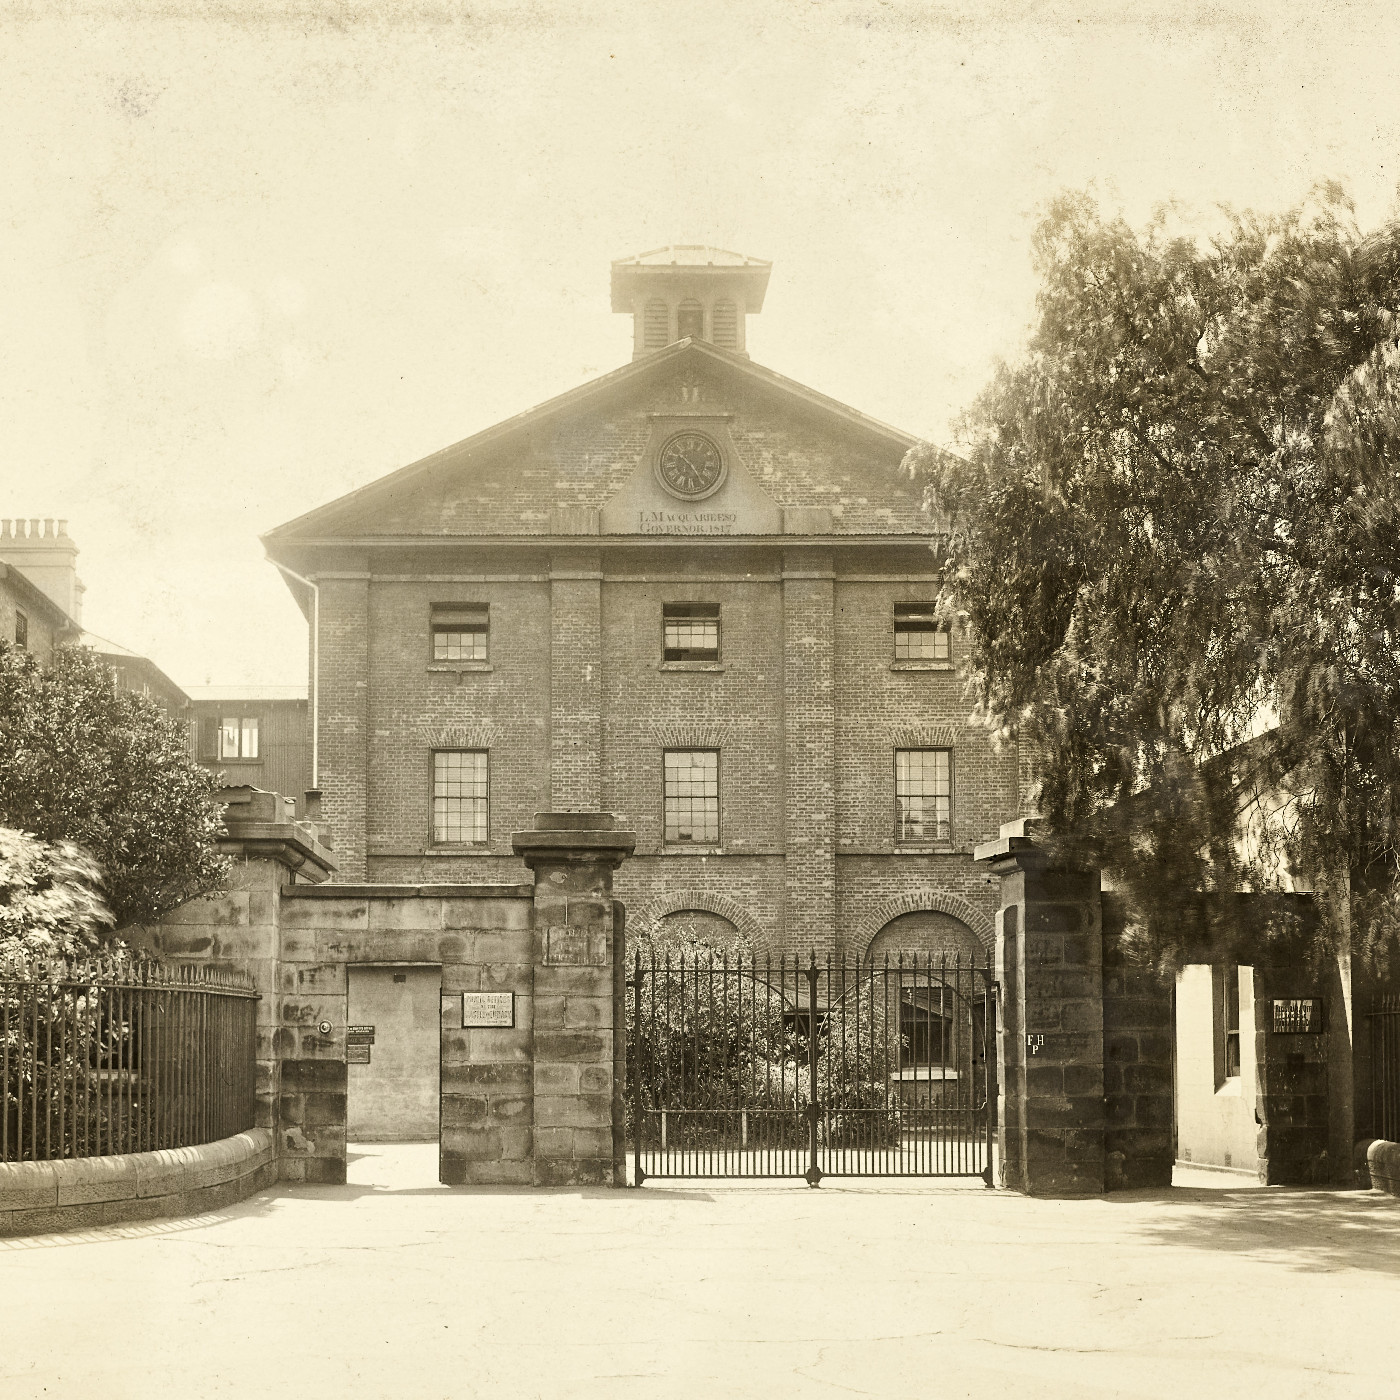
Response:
column 346, row 914
column 511, row 1108
column 554, row 1142
column 489, row 1045
column 1120, row 1110
column 573, row 1046
column 299, row 945
column 1083, row 1079
column 596, row 1079
column 508, row 977
column 512, row 1172
column 415, row 913
column 553, row 1079
column 560, row 981
column 320, row 1110
column 472, row 1143
column 496, row 912
column 27, row 1186
column 511, row 1077
column 460, row 977
column 573, row 1111
column 313, row 1074
column 1044, row 1079
column 1084, row 1015
column 1147, row 1079
column 492, row 947
column 593, row 1142
column 163, row 1172
column 570, row 1171
column 318, row 979
column 549, row 1012
column 325, row 1171
column 221, row 911
column 463, row 1110
column 588, row 1011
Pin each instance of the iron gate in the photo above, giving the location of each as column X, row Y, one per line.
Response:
column 1384, row 1017
column 747, row 1068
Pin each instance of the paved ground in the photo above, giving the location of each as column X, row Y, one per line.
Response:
column 396, row 1287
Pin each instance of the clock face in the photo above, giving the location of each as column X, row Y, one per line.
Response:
column 690, row 466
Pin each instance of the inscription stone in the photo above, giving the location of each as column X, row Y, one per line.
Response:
column 488, row 1010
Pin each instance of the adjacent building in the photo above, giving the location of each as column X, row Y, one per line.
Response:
column 41, row 608
column 692, row 592
column 256, row 736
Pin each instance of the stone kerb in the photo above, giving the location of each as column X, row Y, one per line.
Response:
column 73, row 1194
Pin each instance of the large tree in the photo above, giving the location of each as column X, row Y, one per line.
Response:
column 85, row 762
column 1174, row 542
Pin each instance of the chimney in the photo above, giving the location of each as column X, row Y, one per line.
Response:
column 42, row 551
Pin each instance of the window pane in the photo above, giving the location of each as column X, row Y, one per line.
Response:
column 695, row 639
column 920, row 643
column 691, row 778
column 459, row 796
column 229, row 729
column 459, row 643
column 923, row 794
column 250, row 738
column 690, row 631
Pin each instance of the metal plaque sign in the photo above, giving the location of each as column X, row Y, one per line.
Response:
column 357, row 1054
column 1297, row 1015
column 488, row 1010
column 359, row 1035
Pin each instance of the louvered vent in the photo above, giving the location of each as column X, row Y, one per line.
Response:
column 657, row 326
column 726, row 325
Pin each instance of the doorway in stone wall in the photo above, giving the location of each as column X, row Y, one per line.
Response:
column 392, row 1072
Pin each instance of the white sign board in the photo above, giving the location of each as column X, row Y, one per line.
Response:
column 488, row 1010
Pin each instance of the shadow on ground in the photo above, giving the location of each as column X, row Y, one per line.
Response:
column 1305, row 1230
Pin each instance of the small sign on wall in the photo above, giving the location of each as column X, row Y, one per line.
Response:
column 1297, row 1015
column 358, row 1040
column 488, row 1010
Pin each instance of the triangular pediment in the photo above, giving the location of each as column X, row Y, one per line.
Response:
column 587, row 461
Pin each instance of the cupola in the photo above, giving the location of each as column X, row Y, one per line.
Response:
column 689, row 291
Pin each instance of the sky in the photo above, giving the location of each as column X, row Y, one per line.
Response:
column 255, row 254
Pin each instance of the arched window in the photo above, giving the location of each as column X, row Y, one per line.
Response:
column 726, row 323
column 656, row 325
column 690, row 321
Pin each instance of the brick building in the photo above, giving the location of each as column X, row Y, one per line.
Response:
column 692, row 592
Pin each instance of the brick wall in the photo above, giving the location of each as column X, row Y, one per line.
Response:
column 809, row 750
column 346, row 677
column 575, row 682
column 417, row 705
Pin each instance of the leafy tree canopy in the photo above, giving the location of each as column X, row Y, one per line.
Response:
column 1174, row 542
column 84, row 762
column 50, row 900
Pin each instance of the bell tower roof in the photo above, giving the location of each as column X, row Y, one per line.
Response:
column 689, row 290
